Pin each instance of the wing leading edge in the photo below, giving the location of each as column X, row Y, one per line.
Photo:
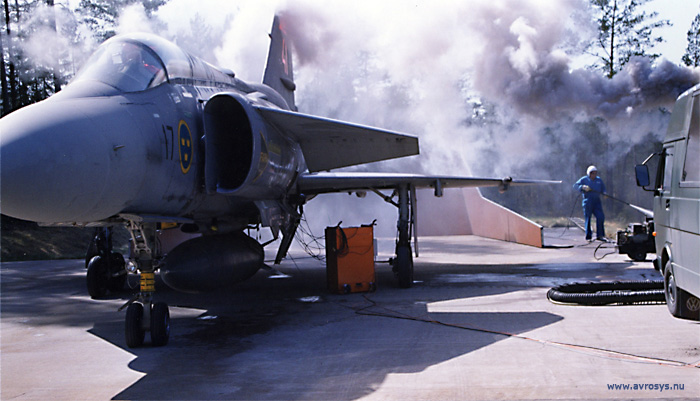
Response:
column 318, row 183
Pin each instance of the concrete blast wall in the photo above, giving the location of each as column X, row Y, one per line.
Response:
column 466, row 212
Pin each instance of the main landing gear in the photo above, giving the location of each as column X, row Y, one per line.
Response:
column 105, row 269
column 402, row 263
column 142, row 314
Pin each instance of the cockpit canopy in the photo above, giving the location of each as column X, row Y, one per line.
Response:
column 137, row 62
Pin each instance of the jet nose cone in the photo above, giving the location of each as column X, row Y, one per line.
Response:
column 54, row 164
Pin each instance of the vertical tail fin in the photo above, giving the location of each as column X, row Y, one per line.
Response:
column 278, row 72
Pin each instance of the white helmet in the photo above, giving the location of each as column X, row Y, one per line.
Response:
column 591, row 169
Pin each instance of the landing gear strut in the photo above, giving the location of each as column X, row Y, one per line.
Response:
column 142, row 314
column 403, row 262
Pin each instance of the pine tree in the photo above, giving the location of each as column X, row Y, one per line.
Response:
column 6, row 104
column 39, row 55
column 102, row 15
column 624, row 31
column 691, row 57
column 11, row 73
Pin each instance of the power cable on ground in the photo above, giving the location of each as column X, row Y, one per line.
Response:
column 589, row 350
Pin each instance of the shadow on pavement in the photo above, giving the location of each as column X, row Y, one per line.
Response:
column 289, row 339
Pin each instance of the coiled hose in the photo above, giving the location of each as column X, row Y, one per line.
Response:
column 610, row 293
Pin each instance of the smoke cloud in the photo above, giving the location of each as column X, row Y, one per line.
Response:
column 415, row 63
column 490, row 87
column 47, row 41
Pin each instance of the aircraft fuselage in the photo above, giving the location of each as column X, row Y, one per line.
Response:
column 92, row 153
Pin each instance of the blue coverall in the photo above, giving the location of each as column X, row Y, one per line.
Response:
column 592, row 204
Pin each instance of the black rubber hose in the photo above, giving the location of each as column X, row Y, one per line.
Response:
column 610, row 293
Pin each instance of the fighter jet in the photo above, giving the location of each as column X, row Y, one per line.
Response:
column 148, row 136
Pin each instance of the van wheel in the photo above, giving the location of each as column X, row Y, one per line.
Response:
column 680, row 303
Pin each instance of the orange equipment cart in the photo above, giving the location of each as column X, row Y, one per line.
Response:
column 350, row 259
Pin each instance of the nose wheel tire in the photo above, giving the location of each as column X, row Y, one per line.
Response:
column 138, row 322
column 160, row 324
column 134, row 328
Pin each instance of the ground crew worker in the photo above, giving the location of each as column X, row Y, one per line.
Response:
column 591, row 186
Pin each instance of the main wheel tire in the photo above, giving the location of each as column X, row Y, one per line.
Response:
column 97, row 277
column 404, row 266
column 160, row 324
column 117, row 274
column 134, row 332
column 680, row 303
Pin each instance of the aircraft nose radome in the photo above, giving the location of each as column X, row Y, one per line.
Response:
column 54, row 165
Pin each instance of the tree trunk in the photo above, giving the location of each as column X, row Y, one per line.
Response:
column 52, row 25
column 613, row 24
column 6, row 105
column 11, row 79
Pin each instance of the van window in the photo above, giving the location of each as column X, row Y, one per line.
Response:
column 691, row 167
column 668, row 169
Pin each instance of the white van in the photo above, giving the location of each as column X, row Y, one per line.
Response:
column 677, row 207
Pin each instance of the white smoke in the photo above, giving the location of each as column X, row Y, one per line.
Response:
column 50, row 39
column 415, row 67
column 483, row 84
column 133, row 18
column 406, row 67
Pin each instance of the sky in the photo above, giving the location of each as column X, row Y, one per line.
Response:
column 681, row 13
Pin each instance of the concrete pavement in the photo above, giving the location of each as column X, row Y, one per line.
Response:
column 476, row 325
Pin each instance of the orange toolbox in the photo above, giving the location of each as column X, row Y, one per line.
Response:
column 350, row 259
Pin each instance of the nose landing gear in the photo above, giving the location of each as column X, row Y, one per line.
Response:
column 142, row 314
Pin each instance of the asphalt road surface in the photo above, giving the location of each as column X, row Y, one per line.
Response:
column 476, row 325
